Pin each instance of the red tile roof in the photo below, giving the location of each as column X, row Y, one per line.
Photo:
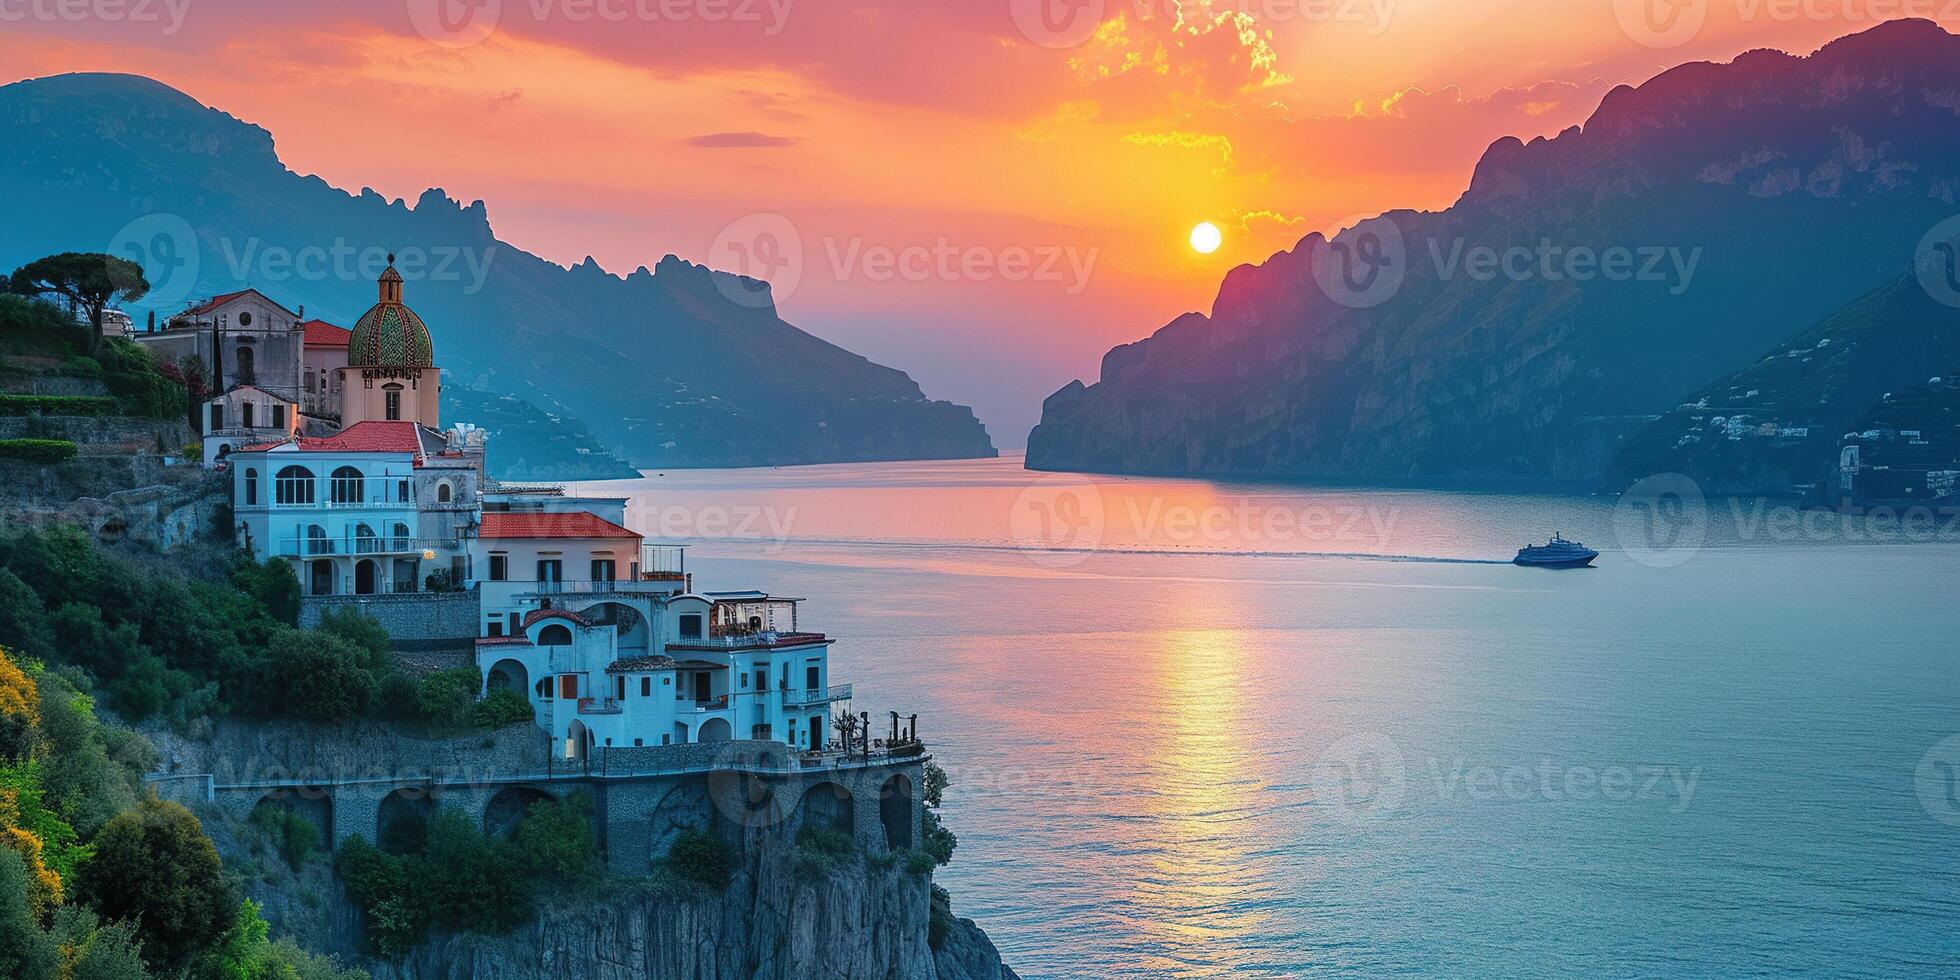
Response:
column 320, row 333
column 372, row 436
column 217, row 301
column 504, row 524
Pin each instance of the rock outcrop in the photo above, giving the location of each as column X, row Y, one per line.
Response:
column 1582, row 286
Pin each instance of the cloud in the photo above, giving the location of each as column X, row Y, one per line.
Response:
column 1187, row 141
column 751, row 140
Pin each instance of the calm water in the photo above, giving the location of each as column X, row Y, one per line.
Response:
column 1198, row 730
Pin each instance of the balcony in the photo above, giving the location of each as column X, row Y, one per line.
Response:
column 763, row 640
column 663, row 563
column 596, row 587
column 810, row 698
column 599, row 706
column 331, row 547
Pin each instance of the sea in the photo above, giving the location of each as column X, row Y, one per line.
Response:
column 1205, row 729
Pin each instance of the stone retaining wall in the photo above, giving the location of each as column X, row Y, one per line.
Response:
column 430, row 630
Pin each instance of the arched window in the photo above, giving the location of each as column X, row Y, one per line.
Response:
column 442, row 493
column 348, row 486
column 392, row 395
column 293, row 486
column 316, row 540
column 401, row 536
column 554, row 636
column 364, row 541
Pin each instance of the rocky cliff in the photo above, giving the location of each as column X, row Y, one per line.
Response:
column 671, row 366
column 1582, row 285
column 855, row 924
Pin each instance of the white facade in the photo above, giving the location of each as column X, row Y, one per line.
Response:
column 631, row 671
column 353, row 522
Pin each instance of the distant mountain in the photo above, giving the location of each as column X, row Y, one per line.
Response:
column 665, row 365
column 1776, row 426
column 1581, row 287
column 529, row 444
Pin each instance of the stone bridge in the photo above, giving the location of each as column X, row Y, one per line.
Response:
column 642, row 797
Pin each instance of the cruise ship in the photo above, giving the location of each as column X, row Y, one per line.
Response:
column 1557, row 553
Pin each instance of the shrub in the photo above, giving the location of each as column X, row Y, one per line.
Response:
column 555, row 839
column 56, row 405
column 821, row 850
column 379, row 883
column 319, row 676
column 272, row 583
column 26, row 953
column 292, row 835
column 154, row 867
column 23, row 619
column 502, row 707
column 38, row 450
column 20, row 710
column 920, row 862
column 701, row 858
column 95, row 950
column 941, row 922
column 445, row 697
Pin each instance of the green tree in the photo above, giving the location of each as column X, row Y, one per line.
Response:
column 154, row 867
column 555, row 839
column 359, row 630
column 92, row 281
column 26, row 952
column 320, row 676
column 23, row 620
column 94, row 950
column 273, row 584
column 445, row 697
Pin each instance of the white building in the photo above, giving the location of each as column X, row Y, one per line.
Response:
column 637, row 669
column 372, row 510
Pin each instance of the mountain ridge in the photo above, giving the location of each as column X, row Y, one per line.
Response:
column 1748, row 168
column 663, row 364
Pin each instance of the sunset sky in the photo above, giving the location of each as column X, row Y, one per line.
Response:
column 1095, row 133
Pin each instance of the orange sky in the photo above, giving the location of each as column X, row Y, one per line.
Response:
column 1039, row 163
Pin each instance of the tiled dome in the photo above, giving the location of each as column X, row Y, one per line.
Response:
column 389, row 334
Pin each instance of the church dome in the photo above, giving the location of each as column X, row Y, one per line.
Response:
column 389, row 334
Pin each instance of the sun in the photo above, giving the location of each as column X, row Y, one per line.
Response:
column 1206, row 238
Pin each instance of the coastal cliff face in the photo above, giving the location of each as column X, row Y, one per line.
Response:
column 858, row 923
column 1581, row 287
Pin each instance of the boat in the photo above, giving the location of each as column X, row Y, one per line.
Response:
column 1557, row 553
